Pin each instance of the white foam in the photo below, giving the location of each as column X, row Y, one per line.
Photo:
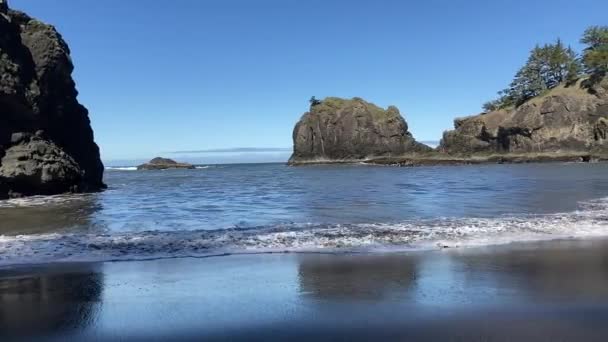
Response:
column 202, row 167
column 590, row 221
column 35, row 201
column 122, row 168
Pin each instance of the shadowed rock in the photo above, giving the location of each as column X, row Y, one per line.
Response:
column 46, row 140
column 163, row 164
column 337, row 130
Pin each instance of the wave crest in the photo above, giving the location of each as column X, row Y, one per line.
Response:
column 121, row 168
column 590, row 221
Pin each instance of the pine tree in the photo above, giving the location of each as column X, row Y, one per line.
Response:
column 595, row 55
column 546, row 68
column 314, row 102
column 529, row 80
column 574, row 67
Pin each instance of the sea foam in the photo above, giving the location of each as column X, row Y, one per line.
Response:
column 121, row 168
column 591, row 220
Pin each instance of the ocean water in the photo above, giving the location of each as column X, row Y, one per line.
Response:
column 260, row 208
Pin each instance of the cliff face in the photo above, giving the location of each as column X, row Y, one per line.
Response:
column 346, row 130
column 46, row 141
column 566, row 119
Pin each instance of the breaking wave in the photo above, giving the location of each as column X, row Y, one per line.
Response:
column 121, row 168
column 39, row 201
column 591, row 220
column 134, row 168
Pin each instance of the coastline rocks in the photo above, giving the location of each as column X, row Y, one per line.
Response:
column 163, row 164
column 341, row 130
column 46, row 140
column 565, row 120
column 35, row 166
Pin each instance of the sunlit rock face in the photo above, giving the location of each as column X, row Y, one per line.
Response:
column 567, row 119
column 337, row 129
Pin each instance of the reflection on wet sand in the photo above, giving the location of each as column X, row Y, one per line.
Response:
column 567, row 270
column 47, row 215
column 532, row 292
column 543, row 272
column 360, row 277
column 48, row 303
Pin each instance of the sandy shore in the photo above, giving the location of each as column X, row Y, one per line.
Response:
column 550, row 291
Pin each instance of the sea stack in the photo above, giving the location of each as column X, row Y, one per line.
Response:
column 46, row 140
column 567, row 119
column 159, row 163
column 342, row 130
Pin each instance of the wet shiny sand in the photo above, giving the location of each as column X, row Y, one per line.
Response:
column 549, row 291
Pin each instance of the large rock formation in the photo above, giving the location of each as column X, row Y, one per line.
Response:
column 159, row 163
column 569, row 119
column 337, row 130
column 46, row 140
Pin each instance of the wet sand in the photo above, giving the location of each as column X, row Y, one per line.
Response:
column 547, row 291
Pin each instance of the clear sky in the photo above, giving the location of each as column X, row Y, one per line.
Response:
column 182, row 75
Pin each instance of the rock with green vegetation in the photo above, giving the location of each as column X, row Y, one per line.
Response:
column 341, row 130
column 46, row 140
column 159, row 163
column 565, row 119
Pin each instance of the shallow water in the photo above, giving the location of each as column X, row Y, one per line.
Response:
column 271, row 207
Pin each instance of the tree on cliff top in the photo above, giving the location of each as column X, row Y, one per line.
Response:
column 313, row 101
column 546, row 68
column 595, row 55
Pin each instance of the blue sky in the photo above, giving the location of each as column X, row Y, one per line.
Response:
column 183, row 75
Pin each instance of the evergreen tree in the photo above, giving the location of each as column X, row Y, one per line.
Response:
column 546, row 68
column 313, row 101
column 573, row 68
column 595, row 55
column 530, row 80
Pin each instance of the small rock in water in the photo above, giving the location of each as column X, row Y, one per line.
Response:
column 442, row 245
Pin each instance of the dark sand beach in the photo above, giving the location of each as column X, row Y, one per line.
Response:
column 544, row 291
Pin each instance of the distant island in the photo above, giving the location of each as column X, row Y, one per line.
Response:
column 556, row 109
column 159, row 163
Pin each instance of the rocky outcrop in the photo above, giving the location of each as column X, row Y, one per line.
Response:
column 163, row 164
column 565, row 120
column 336, row 130
column 46, row 140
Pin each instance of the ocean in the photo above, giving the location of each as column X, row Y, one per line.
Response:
column 262, row 208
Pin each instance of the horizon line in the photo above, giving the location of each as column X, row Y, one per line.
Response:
column 237, row 149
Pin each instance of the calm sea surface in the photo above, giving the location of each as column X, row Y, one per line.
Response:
column 271, row 207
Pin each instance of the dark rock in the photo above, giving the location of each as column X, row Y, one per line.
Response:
column 46, row 140
column 337, row 130
column 36, row 166
column 163, row 164
column 565, row 120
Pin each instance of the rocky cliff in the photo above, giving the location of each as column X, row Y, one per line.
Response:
column 46, row 140
column 568, row 119
column 337, row 130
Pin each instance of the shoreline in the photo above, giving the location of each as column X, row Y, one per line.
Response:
column 384, row 251
column 439, row 159
column 524, row 291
